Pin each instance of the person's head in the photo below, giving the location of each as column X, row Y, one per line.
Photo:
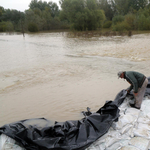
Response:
column 120, row 74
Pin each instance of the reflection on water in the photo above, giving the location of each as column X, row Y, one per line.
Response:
column 50, row 75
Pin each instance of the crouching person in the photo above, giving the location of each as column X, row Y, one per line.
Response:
column 138, row 83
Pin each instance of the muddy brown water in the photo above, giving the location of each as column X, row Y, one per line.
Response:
column 56, row 77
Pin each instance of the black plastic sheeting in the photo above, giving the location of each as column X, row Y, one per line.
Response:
column 40, row 134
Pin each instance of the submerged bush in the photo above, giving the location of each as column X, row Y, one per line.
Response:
column 9, row 26
column 121, row 26
column 117, row 19
column 32, row 27
column 107, row 24
column 130, row 19
column 142, row 22
column 2, row 26
column 6, row 26
column 147, row 25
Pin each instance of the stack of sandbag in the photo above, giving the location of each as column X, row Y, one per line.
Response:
column 142, row 128
column 7, row 143
column 131, row 132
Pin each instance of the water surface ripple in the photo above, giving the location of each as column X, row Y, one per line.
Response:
column 53, row 76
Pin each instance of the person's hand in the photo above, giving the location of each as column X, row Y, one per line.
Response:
column 135, row 94
column 127, row 91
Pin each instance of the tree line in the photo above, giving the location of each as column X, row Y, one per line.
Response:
column 81, row 15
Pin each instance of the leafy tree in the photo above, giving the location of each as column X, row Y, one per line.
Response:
column 130, row 19
column 43, row 5
column 12, row 16
column 2, row 26
column 107, row 7
column 54, row 10
column 43, row 14
column 83, row 14
column 137, row 4
column 6, row 26
column 117, row 19
column 32, row 27
column 37, row 4
column 9, row 26
column 107, row 24
column 46, row 15
column 37, row 11
column 143, row 19
column 145, row 11
column 121, row 7
column 1, row 12
column 31, row 17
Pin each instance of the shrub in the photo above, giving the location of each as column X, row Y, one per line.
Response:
column 2, row 26
column 32, row 27
column 130, row 19
column 147, row 25
column 6, row 26
column 9, row 26
column 117, row 19
column 121, row 26
column 107, row 24
column 142, row 23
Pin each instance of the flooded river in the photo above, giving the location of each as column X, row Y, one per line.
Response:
column 56, row 77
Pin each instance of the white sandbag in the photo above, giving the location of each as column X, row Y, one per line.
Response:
column 140, row 143
column 148, row 114
column 113, row 132
column 109, row 135
column 118, row 145
column 146, row 108
column 143, row 120
column 115, row 146
column 143, row 126
column 110, row 141
column 124, row 120
column 97, row 147
column 115, row 137
column 132, row 111
column 128, row 147
column 7, row 143
column 2, row 141
column 146, row 102
column 98, row 144
column 92, row 147
column 100, row 147
column 141, row 133
column 145, row 114
column 127, row 129
column 123, row 107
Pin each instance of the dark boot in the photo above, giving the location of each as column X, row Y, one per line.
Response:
column 133, row 105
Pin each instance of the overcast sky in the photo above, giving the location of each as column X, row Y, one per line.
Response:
column 20, row 5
